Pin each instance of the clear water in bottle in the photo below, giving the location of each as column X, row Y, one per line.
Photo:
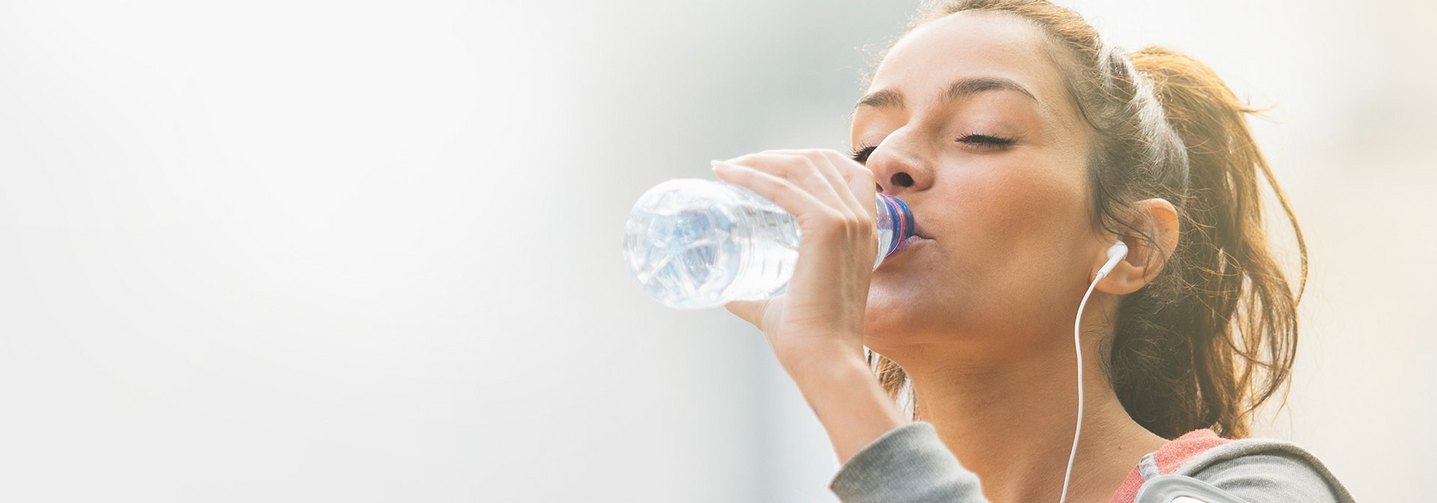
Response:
column 695, row 244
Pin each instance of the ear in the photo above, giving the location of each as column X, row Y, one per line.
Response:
column 1158, row 219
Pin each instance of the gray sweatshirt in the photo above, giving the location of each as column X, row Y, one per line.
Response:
column 911, row 464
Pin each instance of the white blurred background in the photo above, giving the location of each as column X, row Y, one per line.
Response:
column 312, row 250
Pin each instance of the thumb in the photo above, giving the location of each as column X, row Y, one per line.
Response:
column 750, row 310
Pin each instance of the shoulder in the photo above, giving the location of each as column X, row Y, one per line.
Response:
column 1263, row 469
column 908, row 463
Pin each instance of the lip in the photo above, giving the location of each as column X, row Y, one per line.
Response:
column 918, row 226
column 912, row 241
column 919, row 234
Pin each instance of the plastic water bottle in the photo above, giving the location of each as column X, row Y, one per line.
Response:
column 695, row 243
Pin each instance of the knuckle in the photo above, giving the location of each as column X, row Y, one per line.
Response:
column 813, row 170
column 840, row 222
column 785, row 187
column 813, row 178
column 829, row 220
column 789, row 165
column 860, row 226
column 806, row 161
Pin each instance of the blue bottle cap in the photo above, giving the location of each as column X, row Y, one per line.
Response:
column 904, row 226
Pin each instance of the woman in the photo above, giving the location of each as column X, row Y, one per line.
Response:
column 1026, row 148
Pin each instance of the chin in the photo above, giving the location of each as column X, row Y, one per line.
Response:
column 892, row 308
column 905, row 305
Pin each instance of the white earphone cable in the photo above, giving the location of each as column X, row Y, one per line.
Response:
column 1078, row 350
column 1116, row 253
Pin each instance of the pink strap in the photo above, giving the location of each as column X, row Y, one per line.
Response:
column 1169, row 457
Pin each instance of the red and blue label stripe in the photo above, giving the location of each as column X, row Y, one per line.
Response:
column 904, row 226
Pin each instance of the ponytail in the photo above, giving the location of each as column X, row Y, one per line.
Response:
column 1220, row 338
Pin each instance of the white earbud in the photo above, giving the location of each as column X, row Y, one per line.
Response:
column 1115, row 255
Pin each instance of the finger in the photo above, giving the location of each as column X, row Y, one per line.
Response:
column 853, row 181
column 802, row 171
column 829, row 163
column 797, row 201
column 834, row 171
column 858, row 179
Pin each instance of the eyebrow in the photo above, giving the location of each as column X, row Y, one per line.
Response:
column 889, row 98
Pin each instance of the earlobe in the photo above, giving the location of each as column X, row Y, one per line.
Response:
column 1148, row 252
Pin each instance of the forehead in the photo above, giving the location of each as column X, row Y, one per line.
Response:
column 973, row 44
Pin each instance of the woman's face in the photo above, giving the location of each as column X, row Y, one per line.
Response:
column 974, row 109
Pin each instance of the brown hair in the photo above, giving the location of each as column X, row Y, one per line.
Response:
column 1214, row 335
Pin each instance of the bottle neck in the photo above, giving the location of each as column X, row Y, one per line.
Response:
column 899, row 217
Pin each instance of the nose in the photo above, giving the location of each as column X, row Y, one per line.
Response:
column 897, row 170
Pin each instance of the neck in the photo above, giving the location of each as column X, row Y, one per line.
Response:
column 1012, row 423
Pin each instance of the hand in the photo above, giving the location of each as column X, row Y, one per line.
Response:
column 820, row 316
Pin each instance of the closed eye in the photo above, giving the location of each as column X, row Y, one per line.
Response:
column 861, row 154
column 986, row 141
column 980, row 141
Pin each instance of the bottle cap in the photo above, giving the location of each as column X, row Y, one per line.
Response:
column 903, row 224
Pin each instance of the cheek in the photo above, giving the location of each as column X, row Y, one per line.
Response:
column 1022, row 209
column 1024, row 226
column 1018, row 229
